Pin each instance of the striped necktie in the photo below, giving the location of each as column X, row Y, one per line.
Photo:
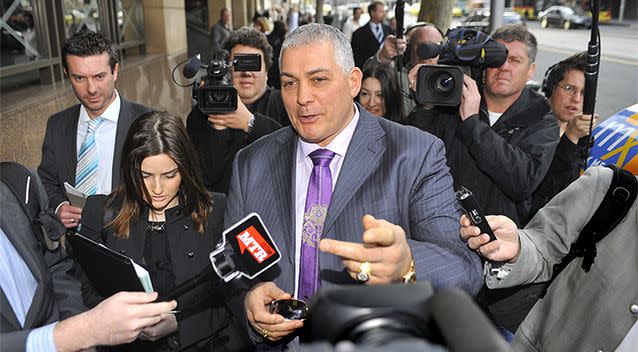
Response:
column 379, row 33
column 86, row 170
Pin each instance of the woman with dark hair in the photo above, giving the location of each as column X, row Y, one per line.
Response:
column 380, row 92
column 162, row 217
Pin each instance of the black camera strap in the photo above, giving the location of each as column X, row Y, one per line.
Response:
column 612, row 210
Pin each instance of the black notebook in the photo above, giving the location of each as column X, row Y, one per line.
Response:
column 108, row 271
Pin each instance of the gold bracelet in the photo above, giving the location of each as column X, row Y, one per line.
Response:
column 410, row 276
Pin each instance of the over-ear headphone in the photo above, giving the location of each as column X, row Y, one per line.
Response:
column 550, row 80
column 412, row 27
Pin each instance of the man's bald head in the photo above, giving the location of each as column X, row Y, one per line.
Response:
column 420, row 35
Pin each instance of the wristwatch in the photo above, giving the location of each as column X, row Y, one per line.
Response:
column 410, row 276
column 251, row 124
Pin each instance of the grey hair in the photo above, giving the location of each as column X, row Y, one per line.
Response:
column 316, row 33
column 518, row 33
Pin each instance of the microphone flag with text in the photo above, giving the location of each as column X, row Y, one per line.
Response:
column 246, row 249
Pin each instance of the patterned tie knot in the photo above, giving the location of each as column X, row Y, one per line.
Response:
column 94, row 124
column 321, row 157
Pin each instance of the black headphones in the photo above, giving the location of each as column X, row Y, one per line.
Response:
column 550, row 80
column 408, row 49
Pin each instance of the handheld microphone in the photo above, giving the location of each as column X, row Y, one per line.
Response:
column 192, row 66
column 247, row 249
column 428, row 50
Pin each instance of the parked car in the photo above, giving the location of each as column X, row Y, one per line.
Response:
column 564, row 17
column 480, row 19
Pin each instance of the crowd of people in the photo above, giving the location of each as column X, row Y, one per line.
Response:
column 353, row 178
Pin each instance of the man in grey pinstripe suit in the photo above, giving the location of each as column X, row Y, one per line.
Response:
column 380, row 168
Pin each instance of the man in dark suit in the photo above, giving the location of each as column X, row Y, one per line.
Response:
column 367, row 169
column 91, row 62
column 37, row 293
column 367, row 39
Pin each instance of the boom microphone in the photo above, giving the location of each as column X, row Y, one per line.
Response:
column 428, row 50
column 192, row 66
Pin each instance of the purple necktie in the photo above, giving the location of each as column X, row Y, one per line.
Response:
column 317, row 202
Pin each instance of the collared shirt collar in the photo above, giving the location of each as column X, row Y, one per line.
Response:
column 339, row 144
column 112, row 112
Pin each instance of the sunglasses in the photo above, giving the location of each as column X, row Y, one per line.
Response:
column 290, row 309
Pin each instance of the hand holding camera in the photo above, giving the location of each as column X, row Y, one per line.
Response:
column 269, row 325
column 237, row 119
column 470, row 98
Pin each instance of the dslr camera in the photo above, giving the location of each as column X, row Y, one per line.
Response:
column 217, row 94
column 466, row 50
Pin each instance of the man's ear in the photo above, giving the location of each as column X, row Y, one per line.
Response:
column 355, row 81
column 116, row 70
column 531, row 71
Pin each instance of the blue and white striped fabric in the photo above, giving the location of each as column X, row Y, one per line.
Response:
column 86, row 171
column 16, row 280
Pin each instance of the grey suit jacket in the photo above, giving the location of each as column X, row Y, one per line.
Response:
column 581, row 311
column 59, row 149
column 393, row 172
column 57, row 296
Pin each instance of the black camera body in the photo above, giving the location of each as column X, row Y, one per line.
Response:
column 217, row 94
column 466, row 51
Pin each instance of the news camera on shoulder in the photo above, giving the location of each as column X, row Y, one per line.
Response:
column 214, row 90
column 466, row 51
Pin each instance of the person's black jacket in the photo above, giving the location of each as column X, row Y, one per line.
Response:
column 204, row 321
column 502, row 164
column 216, row 149
column 564, row 169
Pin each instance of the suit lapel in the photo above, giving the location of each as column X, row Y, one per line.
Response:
column 283, row 169
column 362, row 157
column 124, row 120
column 70, row 150
column 7, row 312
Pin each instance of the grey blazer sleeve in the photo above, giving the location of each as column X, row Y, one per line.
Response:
column 549, row 235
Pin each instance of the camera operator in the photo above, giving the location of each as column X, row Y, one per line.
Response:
column 564, row 88
column 260, row 110
column 415, row 35
column 582, row 311
column 499, row 145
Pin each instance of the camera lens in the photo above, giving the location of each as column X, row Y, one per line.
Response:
column 442, row 84
column 218, row 96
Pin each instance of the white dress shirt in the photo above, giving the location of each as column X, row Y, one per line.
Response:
column 303, row 169
column 104, row 142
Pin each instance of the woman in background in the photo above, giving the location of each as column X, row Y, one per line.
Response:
column 162, row 217
column 380, row 92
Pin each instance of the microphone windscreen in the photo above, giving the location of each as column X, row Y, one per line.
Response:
column 191, row 67
column 463, row 325
column 428, row 50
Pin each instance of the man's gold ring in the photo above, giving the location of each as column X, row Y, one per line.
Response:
column 264, row 333
column 364, row 272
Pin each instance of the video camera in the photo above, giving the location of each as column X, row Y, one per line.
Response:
column 465, row 51
column 217, row 94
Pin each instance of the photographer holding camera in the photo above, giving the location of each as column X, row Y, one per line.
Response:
column 217, row 137
column 500, row 146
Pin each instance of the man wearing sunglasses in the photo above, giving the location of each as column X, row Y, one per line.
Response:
column 564, row 88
